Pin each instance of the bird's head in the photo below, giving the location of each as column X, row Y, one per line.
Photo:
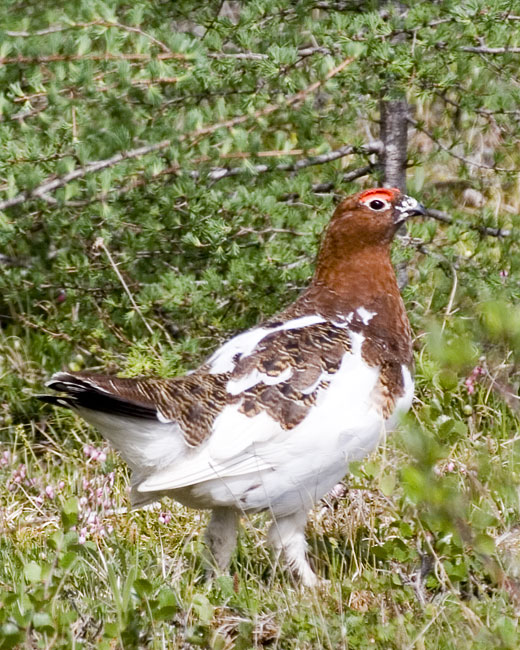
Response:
column 373, row 216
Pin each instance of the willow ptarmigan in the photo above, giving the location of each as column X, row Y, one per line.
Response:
column 272, row 419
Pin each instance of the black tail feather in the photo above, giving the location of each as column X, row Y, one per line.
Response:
column 84, row 394
column 55, row 400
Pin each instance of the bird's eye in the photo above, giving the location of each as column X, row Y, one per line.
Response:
column 377, row 204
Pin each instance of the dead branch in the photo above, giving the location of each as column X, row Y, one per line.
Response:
column 100, row 243
column 256, row 56
column 217, row 173
column 325, row 188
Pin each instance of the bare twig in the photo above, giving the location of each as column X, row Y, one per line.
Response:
column 5, row 260
column 218, row 173
column 36, row 326
column 24, row 114
column 256, row 56
column 325, row 188
column 269, row 231
column 274, row 153
column 165, row 55
column 451, row 299
column 246, row 56
column 48, row 30
column 100, row 243
column 506, row 391
column 350, row 176
column 486, row 113
column 439, row 216
column 482, row 49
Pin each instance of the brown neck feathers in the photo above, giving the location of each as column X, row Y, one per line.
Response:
column 353, row 274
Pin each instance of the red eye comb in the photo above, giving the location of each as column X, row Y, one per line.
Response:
column 384, row 193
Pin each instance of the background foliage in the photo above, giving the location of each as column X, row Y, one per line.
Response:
column 166, row 171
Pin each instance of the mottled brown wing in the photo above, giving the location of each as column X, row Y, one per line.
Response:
column 312, row 354
column 192, row 401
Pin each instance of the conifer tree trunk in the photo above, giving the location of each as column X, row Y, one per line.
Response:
column 394, row 135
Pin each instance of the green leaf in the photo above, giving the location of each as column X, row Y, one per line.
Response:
column 67, row 559
column 43, row 622
column 484, row 544
column 387, row 484
column 111, row 630
column 69, row 513
column 203, row 608
column 166, row 605
column 10, row 636
column 143, row 587
column 32, row 572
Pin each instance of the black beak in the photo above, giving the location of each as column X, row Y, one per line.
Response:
column 408, row 207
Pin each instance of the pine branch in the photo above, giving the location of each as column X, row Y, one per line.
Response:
column 24, row 114
column 218, row 173
column 484, row 230
column 107, row 56
column 271, row 108
column 325, row 188
column 53, row 183
column 53, row 29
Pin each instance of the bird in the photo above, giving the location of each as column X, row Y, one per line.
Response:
column 271, row 421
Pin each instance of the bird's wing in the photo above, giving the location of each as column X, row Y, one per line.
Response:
column 256, row 388
column 273, row 379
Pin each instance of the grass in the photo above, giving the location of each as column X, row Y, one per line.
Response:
column 420, row 551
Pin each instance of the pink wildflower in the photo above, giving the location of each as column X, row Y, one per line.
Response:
column 5, row 458
column 477, row 372
column 96, row 500
column 164, row 518
column 99, row 455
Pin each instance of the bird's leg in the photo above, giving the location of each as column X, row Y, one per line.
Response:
column 221, row 537
column 287, row 536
